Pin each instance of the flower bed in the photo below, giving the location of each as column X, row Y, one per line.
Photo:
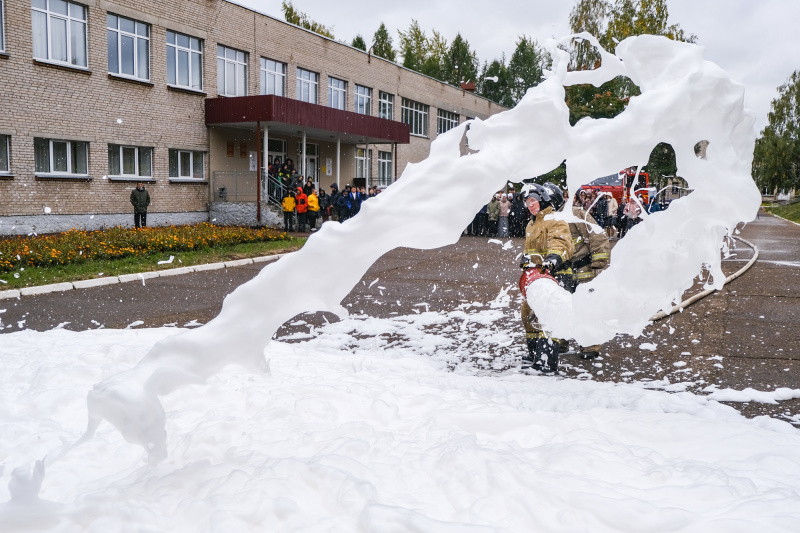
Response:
column 77, row 246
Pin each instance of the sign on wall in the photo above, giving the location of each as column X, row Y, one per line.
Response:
column 328, row 166
column 253, row 161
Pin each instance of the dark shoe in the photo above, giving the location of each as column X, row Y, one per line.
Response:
column 589, row 354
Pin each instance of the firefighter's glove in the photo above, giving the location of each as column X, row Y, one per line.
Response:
column 552, row 263
column 525, row 262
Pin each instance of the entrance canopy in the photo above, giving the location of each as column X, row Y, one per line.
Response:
column 288, row 116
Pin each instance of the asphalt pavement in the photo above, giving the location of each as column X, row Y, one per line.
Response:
column 745, row 335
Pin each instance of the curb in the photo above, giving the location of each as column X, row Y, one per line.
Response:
column 126, row 278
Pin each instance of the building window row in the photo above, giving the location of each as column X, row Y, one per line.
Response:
column 60, row 36
column 446, row 120
column 415, row 114
column 61, row 157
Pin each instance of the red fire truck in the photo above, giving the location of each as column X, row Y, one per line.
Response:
column 619, row 185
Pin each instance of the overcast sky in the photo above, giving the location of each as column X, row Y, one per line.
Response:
column 756, row 41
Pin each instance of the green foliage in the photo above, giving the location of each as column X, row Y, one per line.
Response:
column 436, row 51
column 776, row 160
column 662, row 164
column 558, row 176
column 526, row 67
column 496, row 90
column 358, row 42
column 611, row 21
column 789, row 212
column 413, row 46
column 382, row 44
column 460, row 63
column 298, row 18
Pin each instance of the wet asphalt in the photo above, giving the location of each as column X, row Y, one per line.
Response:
column 746, row 335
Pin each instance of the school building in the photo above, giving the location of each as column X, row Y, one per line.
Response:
column 194, row 98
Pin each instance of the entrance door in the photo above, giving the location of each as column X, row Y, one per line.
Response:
column 312, row 160
column 277, row 148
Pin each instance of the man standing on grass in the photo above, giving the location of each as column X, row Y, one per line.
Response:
column 140, row 199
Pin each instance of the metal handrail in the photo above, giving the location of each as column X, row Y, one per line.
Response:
column 273, row 190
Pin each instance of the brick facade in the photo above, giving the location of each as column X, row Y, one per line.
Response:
column 59, row 102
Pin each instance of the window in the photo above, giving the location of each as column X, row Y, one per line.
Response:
column 2, row 27
column 186, row 164
column 415, row 115
column 231, row 72
column 59, row 31
column 385, row 105
column 55, row 156
column 307, row 83
column 363, row 163
column 385, row 168
column 363, row 103
column 184, row 61
column 128, row 47
column 5, row 152
column 130, row 161
column 337, row 93
column 446, row 121
column 273, row 77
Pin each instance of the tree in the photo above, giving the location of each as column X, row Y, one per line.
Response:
column 413, row 46
column 358, row 42
column 611, row 22
column 460, row 63
column 382, row 44
column 434, row 63
column 298, row 18
column 661, row 165
column 526, row 67
column 497, row 90
column 776, row 160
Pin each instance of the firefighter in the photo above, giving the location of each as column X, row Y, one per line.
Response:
column 591, row 256
column 548, row 246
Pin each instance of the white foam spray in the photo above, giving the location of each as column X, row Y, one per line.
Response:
column 684, row 100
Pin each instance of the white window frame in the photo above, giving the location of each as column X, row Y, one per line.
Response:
column 237, row 60
column 307, row 80
column 385, row 105
column 385, row 167
column 180, row 171
column 364, row 163
column 175, row 49
column 362, row 100
column 337, row 93
column 68, row 19
column 120, row 171
column 415, row 114
column 137, row 39
column 445, row 121
column 2, row 26
column 5, row 140
column 51, row 163
column 270, row 70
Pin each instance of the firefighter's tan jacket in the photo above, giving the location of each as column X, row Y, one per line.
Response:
column 545, row 237
column 588, row 243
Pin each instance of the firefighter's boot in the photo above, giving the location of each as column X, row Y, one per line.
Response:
column 546, row 359
column 529, row 359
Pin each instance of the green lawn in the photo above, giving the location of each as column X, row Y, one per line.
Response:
column 789, row 212
column 32, row 276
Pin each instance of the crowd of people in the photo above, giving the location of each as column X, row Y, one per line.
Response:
column 506, row 215
column 303, row 205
